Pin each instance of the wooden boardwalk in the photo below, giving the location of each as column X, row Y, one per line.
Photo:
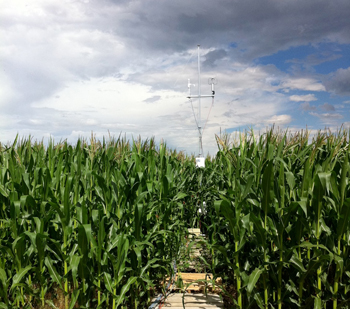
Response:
column 198, row 282
column 191, row 294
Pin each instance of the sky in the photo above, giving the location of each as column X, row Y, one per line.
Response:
column 72, row 67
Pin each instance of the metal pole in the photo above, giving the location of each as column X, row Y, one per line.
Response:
column 211, row 82
column 199, row 105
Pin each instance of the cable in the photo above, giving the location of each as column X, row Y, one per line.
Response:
column 199, row 129
column 194, row 114
column 160, row 297
column 212, row 104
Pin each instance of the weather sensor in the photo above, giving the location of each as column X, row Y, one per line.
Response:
column 200, row 160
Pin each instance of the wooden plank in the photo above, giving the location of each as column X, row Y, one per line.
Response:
column 196, row 232
column 197, row 289
column 197, row 276
column 191, row 277
column 190, row 298
column 204, row 306
column 193, row 301
column 191, row 284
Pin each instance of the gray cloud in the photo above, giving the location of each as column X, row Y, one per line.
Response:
column 307, row 107
column 315, row 59
column 71, row 50
column 271, row 26
column 328, row 118
column 228, row 114
column 327, row 107
column 339, row 82
column 96, row 39
column 152, row 99
column 213, row 56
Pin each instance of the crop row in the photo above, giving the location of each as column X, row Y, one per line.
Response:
column 101, row 223
column 98, row 223
column 278, row 221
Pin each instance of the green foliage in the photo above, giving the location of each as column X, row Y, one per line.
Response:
column 280, row 220
column 103, row 221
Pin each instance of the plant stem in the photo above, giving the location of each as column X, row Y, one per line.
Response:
column 238, row 277
column 213, row 266
column 99, row 292
column 279, row 288
column 66, row 285
column 265, row 260
column 42, row 297
column 115, row 293
column 319, row 270
column 265, row 289
column 65, row 272
column 336, row 281
column 30, row 285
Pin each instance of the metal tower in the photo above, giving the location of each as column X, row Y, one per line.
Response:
column 200, row 160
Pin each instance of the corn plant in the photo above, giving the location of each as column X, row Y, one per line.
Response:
column 98, row 221
column 289, row 200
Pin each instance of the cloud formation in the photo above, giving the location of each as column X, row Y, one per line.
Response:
column 339, row 82
column 72, row 67
column 307, row 107
column 306, row 84
column 303, row 98
column 279, row 120
column 213, row 56
column 327, row 107
column 330, row 119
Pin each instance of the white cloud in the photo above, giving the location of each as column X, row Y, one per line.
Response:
column 279, row 120
column 303, row 98
column 307, row 84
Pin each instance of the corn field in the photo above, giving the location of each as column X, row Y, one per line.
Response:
column 99, row 224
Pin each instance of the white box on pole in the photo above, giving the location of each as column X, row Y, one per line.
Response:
column 200, row 162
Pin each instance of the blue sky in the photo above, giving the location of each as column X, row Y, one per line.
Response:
column 322, row 58
column 322, row 61
column 69, row 68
